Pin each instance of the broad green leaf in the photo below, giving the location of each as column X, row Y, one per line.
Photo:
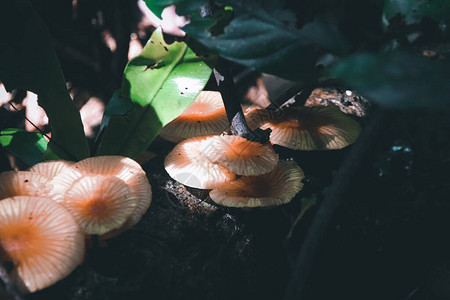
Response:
column 27, row 146
column 398, row 79
column 262, row 36
column 161, row 82
column 414, row 10
column 28, row 61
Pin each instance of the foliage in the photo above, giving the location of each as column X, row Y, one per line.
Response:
column 261, row 36
column 28, row 61
column 346, row 36
column 307, row 42
column 398, row 79
column 28, row 146
column 158, row 85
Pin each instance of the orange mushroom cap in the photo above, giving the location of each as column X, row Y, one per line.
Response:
column 123, row 168
column 41, row 238
column 187, row 164
column 205, row 116
column 50, row 168
column 307, row 128
column 100, row 204
column 275, row 188
column 23, row 183
column 240, row 156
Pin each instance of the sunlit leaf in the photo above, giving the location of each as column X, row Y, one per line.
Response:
column 160, row 83
column 27, row 146
column 398, row 79
column 28, row 61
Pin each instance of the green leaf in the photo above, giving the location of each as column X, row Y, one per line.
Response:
column 27, row 146
column 398, row 79
column 28, row 61
column 414, row 10
column 160, row 83
column 261, row 36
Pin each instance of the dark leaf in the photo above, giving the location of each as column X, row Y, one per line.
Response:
column 262, row 36
column 398, row 79
column 28, row 61
column 414, row 10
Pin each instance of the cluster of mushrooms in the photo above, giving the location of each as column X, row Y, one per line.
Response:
column 242, row 173
column 48, row 212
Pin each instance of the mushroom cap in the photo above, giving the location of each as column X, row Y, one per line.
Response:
column 275, row 188
column 41, row 238
column 187, row 164
column 100, row 204
column 23, row 183
column 121, row 167
column 240, row 156
column 205, row 116
column 307, row 128
column 50, row 168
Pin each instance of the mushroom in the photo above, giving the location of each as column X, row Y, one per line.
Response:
column 100, row 204
column 50, row 168
column 187, row 164
column 274, row 188
column 41, row 239
column 205, row 116
column 307, row 128
column 123, row 168
column 23, row 183
column 240, row 156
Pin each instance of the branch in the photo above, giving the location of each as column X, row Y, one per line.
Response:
column 228, row 90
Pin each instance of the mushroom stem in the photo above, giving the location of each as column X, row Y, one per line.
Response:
column 235, row 116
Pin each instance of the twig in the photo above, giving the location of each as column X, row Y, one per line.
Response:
column 227, row 89
column 333, row 199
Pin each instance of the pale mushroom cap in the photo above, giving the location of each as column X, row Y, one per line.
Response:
column 50, row 168
column 100, row 204
column 205, row 116
column 42, row 239
column 23, row 183
column 275, row 188
column 307, row 128
column 121, row 167
column 188, row 165
column 241, row 156
column 143, row 191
